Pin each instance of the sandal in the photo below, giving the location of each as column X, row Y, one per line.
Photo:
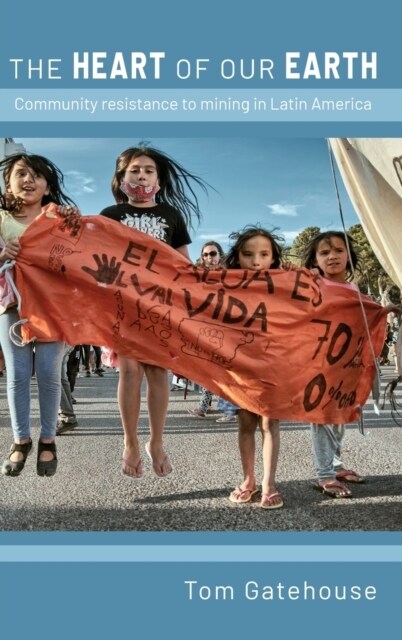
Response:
column 129, row 470
column 46, row 467
column 161, row 469
column 240, row 495
column 348, row 475
column 333, row 489
column 11, row 468
column 266, row 500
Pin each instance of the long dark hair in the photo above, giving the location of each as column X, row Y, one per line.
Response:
column 309, row 252
column 174, row 180
column 250, row 231
column 39, row 165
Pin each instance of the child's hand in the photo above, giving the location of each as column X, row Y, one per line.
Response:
column 10, row 250
column 393, row 308
column 289, row 266
column 67, row 211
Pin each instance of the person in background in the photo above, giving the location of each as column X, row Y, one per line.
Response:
column 229, row 411
column 73, row 368
column 211, row 257
column 2, row 364
column 394, row 340
column 67, row 420
column 92, row 359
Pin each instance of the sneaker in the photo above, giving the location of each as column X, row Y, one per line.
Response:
column 73, row 400
column 62, row 427
column 197, row 413
column 99, row 372
column 227, row 418
column 88, row 374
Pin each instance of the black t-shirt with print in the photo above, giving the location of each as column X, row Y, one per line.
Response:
column 160, row 221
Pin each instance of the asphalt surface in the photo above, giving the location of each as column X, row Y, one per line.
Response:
column 89, row 492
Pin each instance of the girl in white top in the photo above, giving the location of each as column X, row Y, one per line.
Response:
column 31, row 182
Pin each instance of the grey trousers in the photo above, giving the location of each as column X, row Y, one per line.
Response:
column 66, row 412
column 326, row 443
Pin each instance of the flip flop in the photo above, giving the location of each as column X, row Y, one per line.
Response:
column 165, row 463
column 128, row 470
column 348, row 475
column 244, row 495
column 339, row 490
column 266, row 500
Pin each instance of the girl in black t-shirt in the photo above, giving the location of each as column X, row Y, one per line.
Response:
column 154, row 194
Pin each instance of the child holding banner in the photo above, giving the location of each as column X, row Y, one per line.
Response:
column 31, row 182
column 150, row 190
column 256, row 249
column 333, row 254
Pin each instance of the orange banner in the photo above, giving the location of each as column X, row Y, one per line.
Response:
column 284, row 344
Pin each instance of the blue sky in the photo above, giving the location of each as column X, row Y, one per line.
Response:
column 279, row 183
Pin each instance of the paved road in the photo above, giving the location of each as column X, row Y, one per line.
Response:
column 89, row 493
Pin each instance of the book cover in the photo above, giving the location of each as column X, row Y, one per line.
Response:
column 253, row 100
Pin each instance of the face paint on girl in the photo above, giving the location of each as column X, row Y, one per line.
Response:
column 140, row 181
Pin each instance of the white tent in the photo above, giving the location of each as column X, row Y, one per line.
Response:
column 371, row 169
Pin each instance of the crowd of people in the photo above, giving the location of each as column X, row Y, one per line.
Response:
column 149, row 185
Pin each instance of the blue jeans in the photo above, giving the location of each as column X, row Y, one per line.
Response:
column 227, row 407
column 327, row 440
column 19, row 361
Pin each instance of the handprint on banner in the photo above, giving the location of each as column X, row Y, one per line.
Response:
column 106, row 272
column 72, row 221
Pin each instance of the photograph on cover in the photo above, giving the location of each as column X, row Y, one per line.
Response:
column 226, row 279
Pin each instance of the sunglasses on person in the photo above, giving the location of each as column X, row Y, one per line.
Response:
column 213, row 254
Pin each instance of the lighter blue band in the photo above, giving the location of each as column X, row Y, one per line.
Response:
column 200, row 553
column 200, row 105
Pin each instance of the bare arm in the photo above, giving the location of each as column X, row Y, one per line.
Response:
column 184, row 251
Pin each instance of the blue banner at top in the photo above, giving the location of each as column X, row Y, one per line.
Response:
column 213, row 45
